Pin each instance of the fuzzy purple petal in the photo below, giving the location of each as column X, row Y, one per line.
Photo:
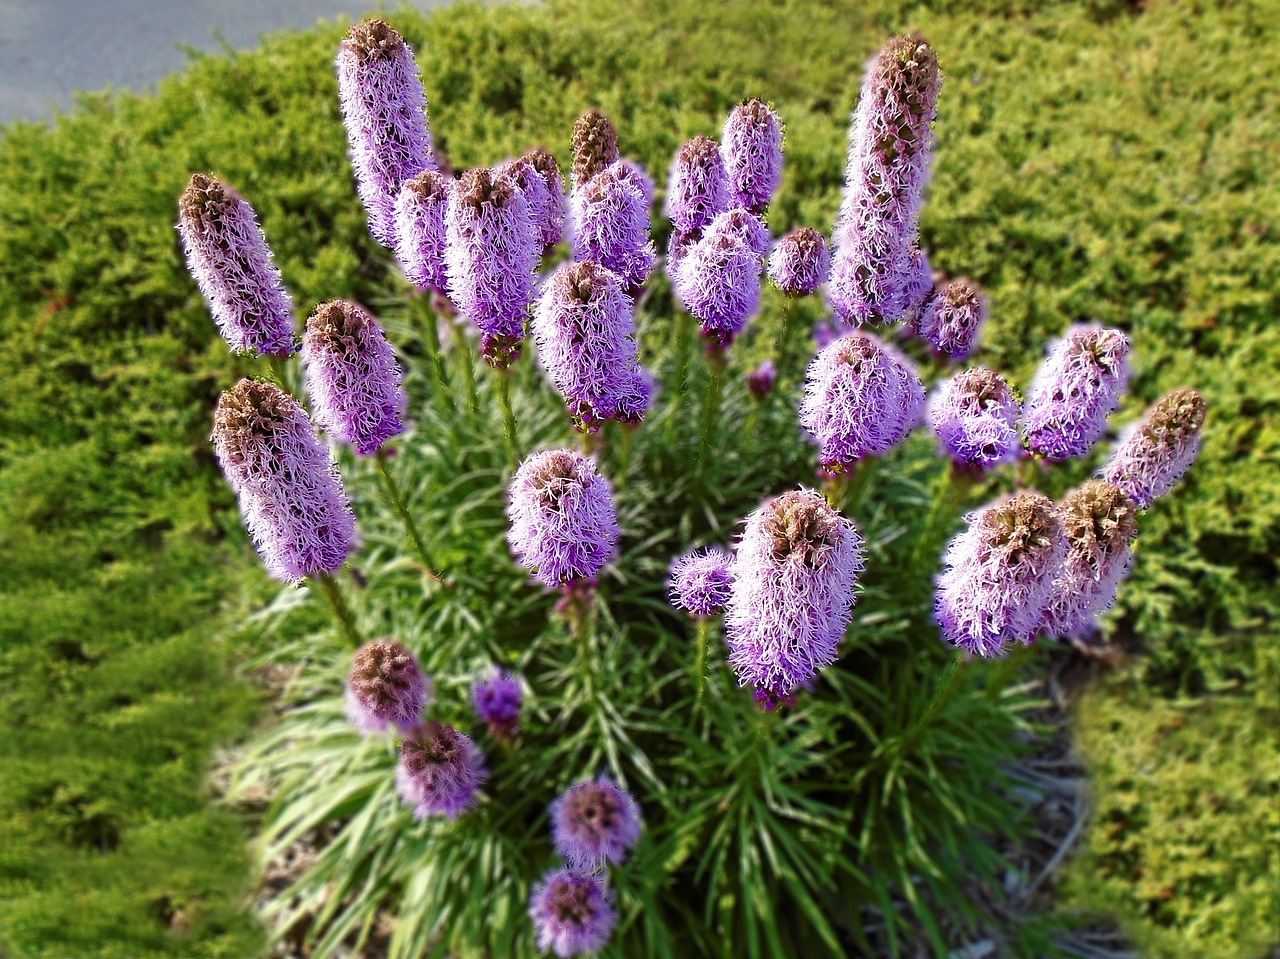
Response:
column 701, row 581
column 975, row 416
column 751, row 145
column 439, row 771
column 609, row 225
column 420, row 234
column 1154, row 453
column 698, row 188
column 496, row 702
column 594, row 824
column 718, row 281
column 1077, row 386
column 800, row 262
column 952, row 319
column 572, row 913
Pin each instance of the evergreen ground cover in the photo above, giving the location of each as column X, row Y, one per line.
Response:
column 1092, row 163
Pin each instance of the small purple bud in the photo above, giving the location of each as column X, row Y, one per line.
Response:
column 1155, row 452
column 751, row 145
column 386, row 687
column 227, row 255
column 609, row 225
column 698, row 188
column 718, row 281
column 290, row 494
column 563, row 523
column 537, row 176
column 952, row 318
column 760, row 380
column 385, row 113
column 595, row 145
column 572, row 913
column 1075, row 388
column 594, row 824
column 420, row 233
column 800, row 262
column 700, row 582
column 496, row 702
column 352, row 376
column 975, row 415
column 439, row 771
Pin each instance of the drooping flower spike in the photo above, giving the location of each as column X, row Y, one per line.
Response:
column 609, row 225
column 1077, row 386
column 496, row 702
column 352, row 376
column 975, row 416
column 792, row 594
column 698, row 187
column 385, row 113
column 1154, row 453
column 800, row 262
column 952, row 318
column 572, row 913
column 227, row 256
column 701, row 581
column 291, row 498
column 386, row 687
column 594, row 824
column 439, row 771
column 751, row 145
column 420, row 233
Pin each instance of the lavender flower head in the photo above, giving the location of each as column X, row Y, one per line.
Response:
column 420, row 235
column 746, row 226
column 593, row 824
column 760, row 380
column 975, row 415
column 632, row 172
column 700, row 582
column 386, row 687
column 952, row 318
column 609, row 225
column 584, row 328
column 385, row 113
column 496, row 702
column 698, row 187
column 439, row 771
column 227, row 255
column 291, row 498
column 352, row 376
column 876, row 266
column 492, row 250
column 999, row 572
column 563, row 524
column 572, row 913
column 718, row 281
column 792, row 593
column 1075, row 388
column 800, row 262
column 595, row 146
column 751, row 145
column 861, row 398
column 537, row 175
column 1099, row 523
column 1155, row 452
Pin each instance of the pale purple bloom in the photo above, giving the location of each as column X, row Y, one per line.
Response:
column 632, row 172
column 563, row 523
column 952, row 318
column 800, row 262
column 998, row 575
column 760, row 380
column 877, row 270
column 751, row 145
column 572, row 913
column 678, row 246
column 352, row 376
column 861, row 398
column 595, row 146
column 537, row 176
column 1075, row 388
column 386, row 687
column 825, row 333
column 718, row 281
column 420, row 234
column 491, row 253
column 496, row 702
column 291, row 497
column 792, row 593
column 385, row 113
column 1099, row 523
column 698, row 188
column 975, row 415
column 609, row 225
column 746, row 226
column 439, row 771
column 593, row 824
column 1155, row 452
column 700, row 581
column 584, row 330
column 918, row 290
column 227, row 256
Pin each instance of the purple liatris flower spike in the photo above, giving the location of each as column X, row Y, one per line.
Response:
column 593, row 824
column 751, row 145
column 718, row 281
column 385, row 113
column 697, row 188
column 952, row 318
column 583, row 327
column 609, row 225
column 563, row 523
column 1075, row 388
column 572, row 913
column 290, row 495
column 439, row 771
column 800, row 262
column 632, row 172
column 998, row 575
column 1153, row 453
column 420, row 236
column 1099, row 523
column 496, row 702
column 975, row 415
column 386, row 687
column 536, row 174
column 876, row 268
column 492, row 250
column 352, row 376
column 595, row 145
column 792, row 591
column 227, row 255
column 760, row 380
column 861, row 398
column 745, row 226
column 700, row 582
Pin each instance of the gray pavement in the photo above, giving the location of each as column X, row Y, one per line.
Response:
column 50, row 49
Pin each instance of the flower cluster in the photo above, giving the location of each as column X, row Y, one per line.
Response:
column 386, row 687
column 701, row 581
column 760, row 380
column 609, row 225
column 439, row 772
column 1155, row 452
column 800, row 262
column 537, row 175
column 420, row 235
column 952, row 318
column 496, row 702
column 1074, row 390
column 572, row 912
column 699, row 187
column 975, row 416
column 751, row 145
column 718, row 280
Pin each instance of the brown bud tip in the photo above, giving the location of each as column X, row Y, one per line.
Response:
column 582, row 281
column 435, row 744
column 595, row 145
column 756, row 112
column 555, row 472
column 542, row 161
column 962, row 292
column 1023, row 525
column 374, row 40
column 801, row 524
column 983, row 387
column 382, row 672
column 699, row 151
column 336, row 320
column 1097, row 518
column 427, row 185
column 909, row 64
column 481, row 185
column 252, row 406
column 1179, row 415
column 205, row 200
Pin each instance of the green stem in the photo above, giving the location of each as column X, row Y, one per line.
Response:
column 942, row 502
column 508, row 417
column 709, row 415
column 684, row 326
column 397, row 502
column 329, row 587
column 948, row 686
column 700, row 662
column 1007, row 668
column 431, row 331
column 856, row 485
column 582, row 634
column 784, row 331
column 467, row 360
